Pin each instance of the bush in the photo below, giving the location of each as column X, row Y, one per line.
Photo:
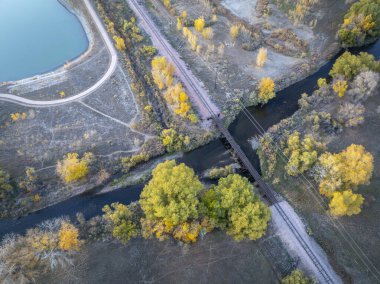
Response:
column 121, row 219
column 351, row 115
column 349, row 65
column 233, row 206
column 72, row 168
column 134, row 160
column 173, row 141
column 364, row 86
column 216, row 173
column 296, row 277
column 302, row 154
column 361, row 23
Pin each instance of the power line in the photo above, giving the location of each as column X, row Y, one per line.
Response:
column 269, row 192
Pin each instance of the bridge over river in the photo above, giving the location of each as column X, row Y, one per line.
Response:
column 207, row 110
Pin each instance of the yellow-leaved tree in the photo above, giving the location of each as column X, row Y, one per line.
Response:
column 72, row 168
column 68, row 237
column 119, row 43
column 340, row 87
column 266, row 90
column 233, row 206
column 234, row 32
column 342, row 172
column 199, row 24
column 261, row 57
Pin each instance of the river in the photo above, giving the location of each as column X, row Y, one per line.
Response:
column 37, row 36
column 213, row 154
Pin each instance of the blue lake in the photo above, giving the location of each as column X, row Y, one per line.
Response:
column 37, row 36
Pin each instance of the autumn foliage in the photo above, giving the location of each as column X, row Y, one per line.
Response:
column 72, row 168
column 174, row 93
column 68, row 237
column 340, row 174
column 261, row 57
column 266, row 90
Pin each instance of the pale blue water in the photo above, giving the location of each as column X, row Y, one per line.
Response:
column 37, row 36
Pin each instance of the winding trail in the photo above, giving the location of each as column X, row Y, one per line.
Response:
column 111, row 69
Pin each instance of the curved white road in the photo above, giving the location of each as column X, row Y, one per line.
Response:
column 112, row 51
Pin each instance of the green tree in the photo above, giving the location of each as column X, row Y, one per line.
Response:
column 121, row 219
column 5, row 186
column 302, row 153
column 171, row 195
column 232, row 205
column 361, row 23
column 296, row 277
column 349, row 65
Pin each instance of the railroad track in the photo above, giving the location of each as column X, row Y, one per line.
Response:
column 264, row 187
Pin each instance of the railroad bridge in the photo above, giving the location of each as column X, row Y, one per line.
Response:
column 207, row 110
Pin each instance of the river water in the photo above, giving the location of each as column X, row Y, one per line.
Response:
column 213, row 154
column 37, row 36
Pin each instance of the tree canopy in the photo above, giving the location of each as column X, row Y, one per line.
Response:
column 72, row 168
column 349, row 65
column 172, row 194
column 121, row 219
column 361, row 23
column 232, row 205
column 266, row 90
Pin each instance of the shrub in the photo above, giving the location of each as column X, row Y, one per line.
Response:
column 234, row 32
column 173, row 141
column 349, row 65
column 5, row 187
column 351, row 115
column 302, row 154
column 121, row 219
column 208, row 33
column 134, row 160
column 296, row 277
column 199, row 24
column 216, row 173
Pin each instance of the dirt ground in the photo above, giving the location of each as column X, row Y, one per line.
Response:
column 214, row 259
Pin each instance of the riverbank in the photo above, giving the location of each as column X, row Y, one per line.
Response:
column 348, row 241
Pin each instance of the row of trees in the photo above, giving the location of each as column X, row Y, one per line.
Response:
column 176, row 204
